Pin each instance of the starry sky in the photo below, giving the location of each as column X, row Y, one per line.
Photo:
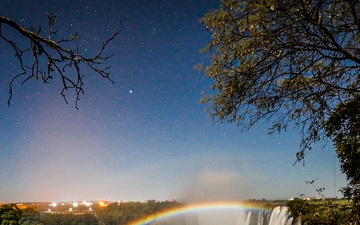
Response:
column 146, row 136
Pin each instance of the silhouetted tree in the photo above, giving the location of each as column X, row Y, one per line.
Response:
column 343, row 127
column 9, row 214
column 49, row 57
column 61, row 219
column 296, row 63
column 30, row 216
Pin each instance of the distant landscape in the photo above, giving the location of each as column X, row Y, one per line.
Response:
column 312, row 211
column 180, row 112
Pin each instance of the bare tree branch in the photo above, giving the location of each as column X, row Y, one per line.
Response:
column 57, row 58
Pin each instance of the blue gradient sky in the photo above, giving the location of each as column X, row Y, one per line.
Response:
column 146, row 136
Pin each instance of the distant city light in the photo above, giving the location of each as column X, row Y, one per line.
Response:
column 75, row 204
column 54, row 204
column 102, row 204
column 86, row 203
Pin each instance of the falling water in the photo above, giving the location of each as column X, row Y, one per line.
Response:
column 244, row 216
column 278, row 216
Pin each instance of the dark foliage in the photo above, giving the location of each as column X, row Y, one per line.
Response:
column 295, row 63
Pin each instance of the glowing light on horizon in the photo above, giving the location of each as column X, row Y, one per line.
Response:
column 102, row 204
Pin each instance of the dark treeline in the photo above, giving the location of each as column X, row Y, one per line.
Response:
column 30, row 215
column 112, row 214
column 125, row 213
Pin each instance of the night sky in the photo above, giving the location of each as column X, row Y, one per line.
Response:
column 146, row 136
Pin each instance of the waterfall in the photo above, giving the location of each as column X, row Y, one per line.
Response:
column 278, row 216
column 243, row 217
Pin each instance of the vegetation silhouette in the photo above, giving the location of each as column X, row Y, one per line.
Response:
column 295, row 63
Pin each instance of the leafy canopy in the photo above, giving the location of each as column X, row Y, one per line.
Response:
column 293, row 62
